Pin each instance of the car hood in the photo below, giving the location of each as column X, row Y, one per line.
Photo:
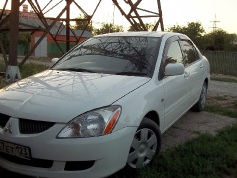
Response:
column 59, row 96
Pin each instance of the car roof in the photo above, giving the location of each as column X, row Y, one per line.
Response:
column 140, row 33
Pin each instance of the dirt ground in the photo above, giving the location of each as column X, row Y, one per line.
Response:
column 191, row 125
column 217, row 88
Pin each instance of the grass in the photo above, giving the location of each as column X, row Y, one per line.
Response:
column 221, row 110
column 232, row 80
column 205, row 156
column 220, row 98
column 224, row 78
column 28, row 69
column 223, row 105
column 2, row 84
column 235, row 104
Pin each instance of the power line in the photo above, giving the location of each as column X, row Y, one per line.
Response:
column 214, row 27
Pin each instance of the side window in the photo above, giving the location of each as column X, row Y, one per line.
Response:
column 172, row 53
column 189, row 52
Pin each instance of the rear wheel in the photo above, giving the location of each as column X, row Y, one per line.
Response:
column 200, row 105
column 145, row 145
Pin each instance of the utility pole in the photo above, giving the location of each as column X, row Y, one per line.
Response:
column 68, row 26
column 12, row 72
column 214, row 27
column 113, row 14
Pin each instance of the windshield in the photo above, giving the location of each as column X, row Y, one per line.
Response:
column 121, row 55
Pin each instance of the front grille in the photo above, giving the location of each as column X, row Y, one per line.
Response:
column 3, row 119
column 33, row 127
column 41, row 163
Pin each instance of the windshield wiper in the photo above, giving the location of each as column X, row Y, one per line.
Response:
column 132, row 73
column 77, row 69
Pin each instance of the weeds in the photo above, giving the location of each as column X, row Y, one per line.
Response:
column 220, row 98
column 221, row 110
column 205, row 156
column 31, row 69
column 27, row 70
column 224, row 79
column 235, row 104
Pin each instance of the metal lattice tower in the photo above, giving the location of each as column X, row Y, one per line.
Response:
column 214, row 27
column 135, row 18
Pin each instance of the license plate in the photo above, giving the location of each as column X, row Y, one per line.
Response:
column 15, row 150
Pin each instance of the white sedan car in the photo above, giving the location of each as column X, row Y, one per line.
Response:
column 102, row 106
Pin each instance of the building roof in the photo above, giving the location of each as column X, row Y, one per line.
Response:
column 86, row 34
column 29, row 21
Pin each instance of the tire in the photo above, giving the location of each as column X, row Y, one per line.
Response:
column 200, row 105
column 145, row 145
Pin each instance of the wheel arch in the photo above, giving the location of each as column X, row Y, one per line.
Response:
column 206, row 81
column 154, row 116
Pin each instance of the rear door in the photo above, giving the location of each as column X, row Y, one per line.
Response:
column 193, row 67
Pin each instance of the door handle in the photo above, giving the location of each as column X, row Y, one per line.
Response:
column 201, row 66
column 186, row 74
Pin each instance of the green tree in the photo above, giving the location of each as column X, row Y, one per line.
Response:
column 108, row 28
column 220, row 40
column 82, row 23
column 149, row 27
column 216, row 40
column 23, row 38
column 5, row 40
column 231, row 42
column 193, row 30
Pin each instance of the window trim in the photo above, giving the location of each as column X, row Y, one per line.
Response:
column 171, row 39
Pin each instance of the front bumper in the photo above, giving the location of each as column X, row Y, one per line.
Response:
column 105, row 154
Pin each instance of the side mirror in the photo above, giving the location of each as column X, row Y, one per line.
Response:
column 174, row 69
column 54, row 60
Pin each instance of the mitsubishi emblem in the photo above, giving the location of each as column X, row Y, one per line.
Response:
column 8, row 128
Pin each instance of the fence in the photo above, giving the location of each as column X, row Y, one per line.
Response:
column 222, row 62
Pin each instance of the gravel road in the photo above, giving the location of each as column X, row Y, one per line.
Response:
column 222, row 88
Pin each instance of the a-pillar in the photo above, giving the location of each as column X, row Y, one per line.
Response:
column 12, row 72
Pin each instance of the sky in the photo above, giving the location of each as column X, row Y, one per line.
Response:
column 175, row 12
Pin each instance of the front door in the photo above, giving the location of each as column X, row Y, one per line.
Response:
column 177, row 89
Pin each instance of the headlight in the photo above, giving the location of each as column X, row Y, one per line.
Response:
column 93, row 123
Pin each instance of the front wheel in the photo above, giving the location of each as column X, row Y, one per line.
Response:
column 200, row 105
column 145, row 145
